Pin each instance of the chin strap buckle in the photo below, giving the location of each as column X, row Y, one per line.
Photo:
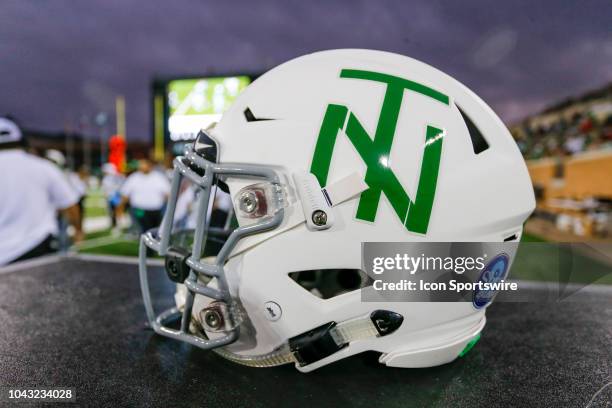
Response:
column 314, row 345
column 329, row 338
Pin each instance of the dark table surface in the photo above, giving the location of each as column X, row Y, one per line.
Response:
column 81, row 324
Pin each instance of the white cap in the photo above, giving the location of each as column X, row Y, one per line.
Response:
column 56, row 157
column 9, row 131
column 109, row 168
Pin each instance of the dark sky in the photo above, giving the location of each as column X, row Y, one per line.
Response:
column 63, row 60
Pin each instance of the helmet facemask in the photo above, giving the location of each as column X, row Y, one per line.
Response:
column 261, row 204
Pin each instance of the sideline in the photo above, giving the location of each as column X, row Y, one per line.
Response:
column 129, row 260
column 103, row 241
column 55, row 258
column 597, row 393
column 31, row 263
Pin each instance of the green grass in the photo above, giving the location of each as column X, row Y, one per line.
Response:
column 114, row 246
column 548, row 262
column 121, row 248
column 92, row 212
column 531, row 238
column 98, row 234
column 539, row 261
column 95, row 204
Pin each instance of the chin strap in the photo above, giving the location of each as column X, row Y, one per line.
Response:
column 322, row 341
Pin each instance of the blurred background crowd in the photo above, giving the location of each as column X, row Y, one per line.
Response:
column 568, row 148
column 567, row 128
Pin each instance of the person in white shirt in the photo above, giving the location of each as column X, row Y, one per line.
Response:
column 33, row 191
column 184, row 212
column 146, row 191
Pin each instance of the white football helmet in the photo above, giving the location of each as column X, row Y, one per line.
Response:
column 320, row 154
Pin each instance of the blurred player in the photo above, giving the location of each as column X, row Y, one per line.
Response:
column 80, row 182
column 31, row 199
column 76, row 180
column 184, row 213
column 111, row 184
column 146, row 191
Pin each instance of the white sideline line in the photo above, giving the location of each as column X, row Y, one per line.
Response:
column 597, row 393
column 102, row 241
column 51, row 259
column 95, row 224
column 130, row 260
column 31, row 263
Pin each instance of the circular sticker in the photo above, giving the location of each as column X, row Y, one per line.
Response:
column 494, row 272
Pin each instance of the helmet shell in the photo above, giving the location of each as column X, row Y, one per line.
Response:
column 479, row 196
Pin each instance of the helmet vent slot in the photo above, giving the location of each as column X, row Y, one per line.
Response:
column 250, row 116
column 479, row 143
column 329, row 283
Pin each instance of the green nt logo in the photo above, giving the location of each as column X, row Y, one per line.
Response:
column 375, row 152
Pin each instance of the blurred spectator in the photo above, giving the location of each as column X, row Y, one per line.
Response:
column 146, row 191
column 574, row 144
column 111, row 184
column 31, row 198
column 79, row 182
column 583, row 131
column 184, row 213
column 56, row 157
column 76, row 181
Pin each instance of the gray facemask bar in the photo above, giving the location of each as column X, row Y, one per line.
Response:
column 160, row 245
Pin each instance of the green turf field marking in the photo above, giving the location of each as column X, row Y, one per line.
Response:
column 97, row 234
column 531, row 238
column 103, row 243
column 94, row 212
column 124, row 248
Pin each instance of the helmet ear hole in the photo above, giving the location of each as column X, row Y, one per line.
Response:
column 349, row 279
column 329, row 283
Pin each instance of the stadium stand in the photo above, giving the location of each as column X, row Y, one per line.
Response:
column 568, row 148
